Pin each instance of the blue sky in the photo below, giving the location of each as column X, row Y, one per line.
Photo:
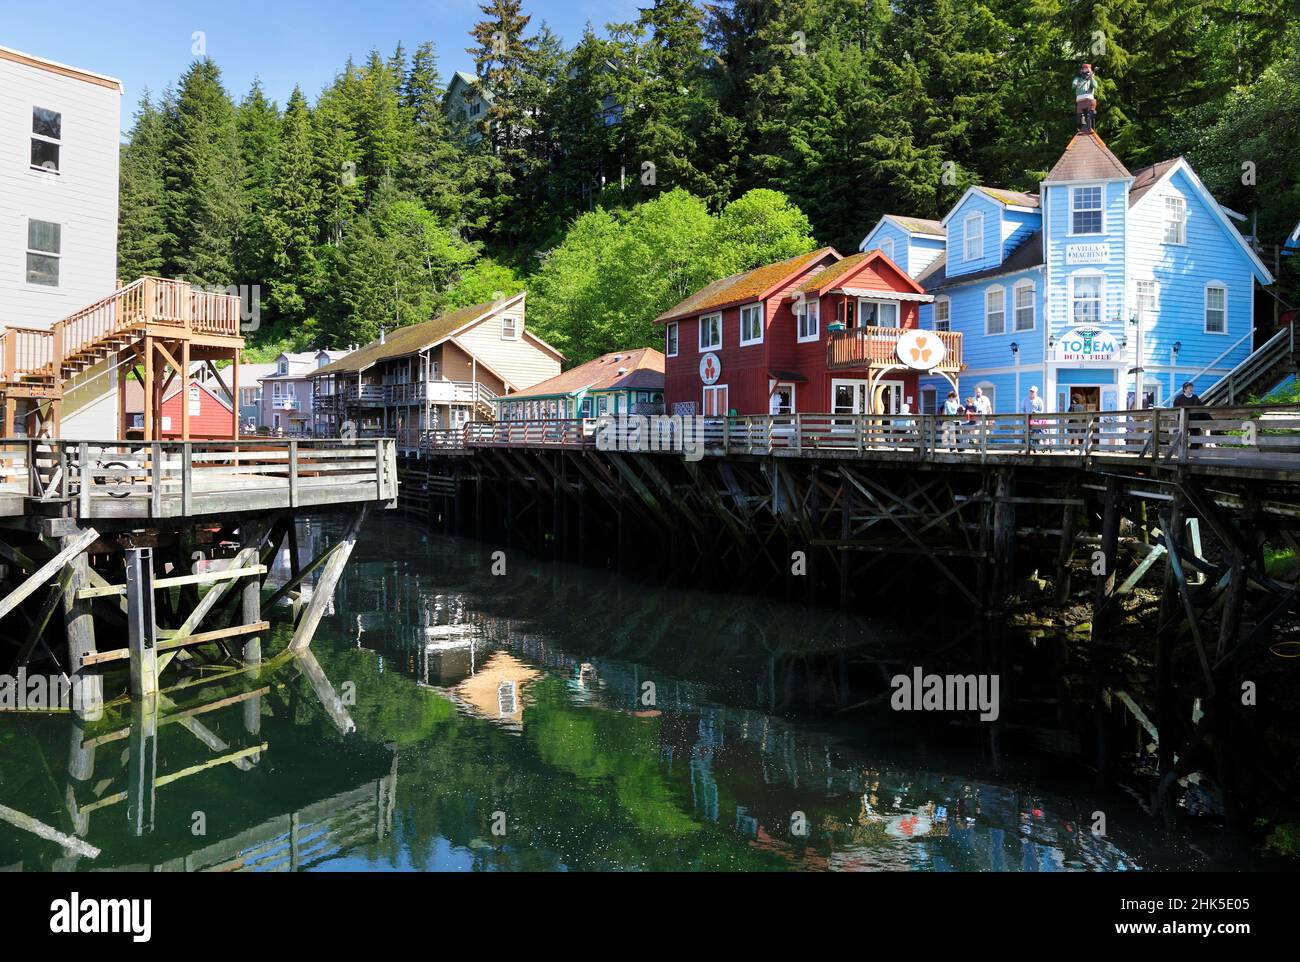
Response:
column 147, row 43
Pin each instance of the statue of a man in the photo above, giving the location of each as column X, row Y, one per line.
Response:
column 1085, row 98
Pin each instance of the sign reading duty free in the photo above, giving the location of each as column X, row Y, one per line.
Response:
column 1087, row 344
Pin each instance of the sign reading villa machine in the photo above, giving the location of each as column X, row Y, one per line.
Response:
column 1087, row 253
column 710, row 368
column 1087, row 344
column 920, row 350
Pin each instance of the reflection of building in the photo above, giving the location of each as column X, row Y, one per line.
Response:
column 495, row 691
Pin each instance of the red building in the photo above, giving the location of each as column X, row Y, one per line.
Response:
column 210, row 413
column 815, row 333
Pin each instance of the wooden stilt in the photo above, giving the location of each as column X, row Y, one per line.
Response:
column 88, row 698
column 324, row 590
column 142, row 627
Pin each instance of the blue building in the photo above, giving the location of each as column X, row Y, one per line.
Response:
column 1109, row 286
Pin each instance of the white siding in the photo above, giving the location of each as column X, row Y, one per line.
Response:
column 522, row 361
column 82, row 197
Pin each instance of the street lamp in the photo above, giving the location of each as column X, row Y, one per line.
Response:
column 1015, row 357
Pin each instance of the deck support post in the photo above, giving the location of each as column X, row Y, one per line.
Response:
column 329, row 579
column 142, row 626
column 79, row 620
column 143, row 765
column 1004, row 537
column 1069, row 516
column 1104, row 602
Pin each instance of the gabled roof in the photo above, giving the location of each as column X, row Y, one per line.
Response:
column 1027, row 254
column 1147, row 177
column 1087, row 157
column 917, row 226
column 414, row 338
column 202, row 386
column 744, row 287
column 1010, row 199
column 639, row 369
column 62, row 69
column 471, row 81
column 1181, row 164
column 300, row 364
column 833, row 276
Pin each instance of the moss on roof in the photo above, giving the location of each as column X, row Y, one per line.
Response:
column 742, row 287
column 410, row 339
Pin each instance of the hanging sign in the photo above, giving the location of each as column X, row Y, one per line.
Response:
column 920, row 350
column 710, row 368
column 1087, row 344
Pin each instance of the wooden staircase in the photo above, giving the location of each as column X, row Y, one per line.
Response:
column 1258, row 374
column 38, row 364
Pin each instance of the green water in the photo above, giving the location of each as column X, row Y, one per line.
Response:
column 450, row 718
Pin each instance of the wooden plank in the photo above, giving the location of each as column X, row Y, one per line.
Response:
column 70, row 549
column 170, row 644
column 41, row 830
column 204, row 577
column 324, row 589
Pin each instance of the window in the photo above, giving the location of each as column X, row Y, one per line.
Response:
column 277, row 390
column 751, row 324
column 282, row 367
column 47, row 139
column 1024, row 306
column 1175, row 220
column 1086, row 307
column 973, row 237
column 1216, row 309
column 715, row 400
column 1085, row 210
column 1147, row 305
column 887, row 247
column 509, row 328
column 44, row 251
column 990, row 391
column 942, row 314
column 995, row 311
column 929, row 400
column 878, row 313
column 809, row 314
column 710, row 332
column 670, row 339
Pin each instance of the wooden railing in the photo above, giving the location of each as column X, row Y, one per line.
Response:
column 864, row 347
column 1266, row 438
column 26, row 353
column 175, row 478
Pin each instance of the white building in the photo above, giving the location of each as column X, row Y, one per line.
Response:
column 60, row 132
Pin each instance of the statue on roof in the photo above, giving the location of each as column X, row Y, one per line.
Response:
column 1085, row 98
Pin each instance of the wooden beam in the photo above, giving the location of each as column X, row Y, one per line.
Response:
column 202, row 578
column 324, row 590
column 171, row 644
column 70, row 549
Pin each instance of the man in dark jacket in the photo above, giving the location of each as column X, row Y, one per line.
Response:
column 1190, row 399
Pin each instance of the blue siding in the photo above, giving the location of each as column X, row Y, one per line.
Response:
column 1017, row 225
column 888, row 230
column 1060, row 239
column 974, row 202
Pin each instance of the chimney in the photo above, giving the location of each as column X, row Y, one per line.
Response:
column 382, row 335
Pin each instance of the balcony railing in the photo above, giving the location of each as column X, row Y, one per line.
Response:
column 866, row 347
column 415, row 392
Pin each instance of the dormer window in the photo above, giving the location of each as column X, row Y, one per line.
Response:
column 282, row 367
column 1085, row 210
column 509, row 328
column 973, row 237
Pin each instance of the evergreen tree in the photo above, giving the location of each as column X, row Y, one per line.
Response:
column 142, row 196
column 292, row 217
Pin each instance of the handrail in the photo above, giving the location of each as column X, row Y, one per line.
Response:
column 866, row 346
column 1272, row 351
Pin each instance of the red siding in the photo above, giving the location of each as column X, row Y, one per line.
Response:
column 745, row 369
column 212, row 421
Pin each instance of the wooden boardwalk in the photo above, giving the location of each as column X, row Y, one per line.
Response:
column 98, row 480
column 1257, row 441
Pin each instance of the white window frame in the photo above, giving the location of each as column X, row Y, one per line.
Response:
column 715, row 389
column 812, row 308
column 946, row 303
column 56, row 256
column 671, row 339
column 967, row 236
column 1142, row 317
column 1220, row 286
column 887, row 247
column 756, row 306
column 1074, row 297
column 880, row 302
column 712, row 345
column 1178, row 222
column 1019, row 287
column 56, row 141
column 277, row 390
column 988, row 314
column 1100, row 209
column 509, row 327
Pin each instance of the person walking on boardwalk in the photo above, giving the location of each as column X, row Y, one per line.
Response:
column 972, row 421
column 1033, row 407
column 983, row 406
column 1190, row 399
column 951, row 410
column 1076, row 423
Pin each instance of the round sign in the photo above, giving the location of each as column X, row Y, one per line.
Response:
column 920, row 350
column 710, row 368
column 1087, row 344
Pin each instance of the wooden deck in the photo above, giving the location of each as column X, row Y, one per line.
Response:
column 1259, row 441
column 91, row 480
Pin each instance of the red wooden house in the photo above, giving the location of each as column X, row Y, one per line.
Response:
column 210, row 414
column 816, row 333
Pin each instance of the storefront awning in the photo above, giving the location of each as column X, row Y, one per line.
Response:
column 791, row 376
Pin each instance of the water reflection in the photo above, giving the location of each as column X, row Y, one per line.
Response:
column 516, row 710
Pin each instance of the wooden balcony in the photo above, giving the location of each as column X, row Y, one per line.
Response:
column 862, row 348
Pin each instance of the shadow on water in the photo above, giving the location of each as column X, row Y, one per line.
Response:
column 555, row 717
